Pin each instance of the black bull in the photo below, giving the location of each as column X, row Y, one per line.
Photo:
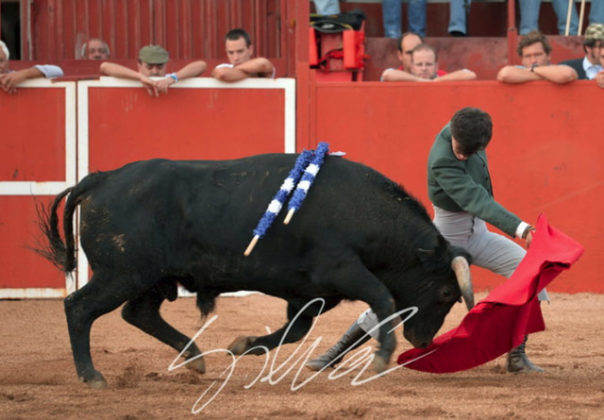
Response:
column 153, row 224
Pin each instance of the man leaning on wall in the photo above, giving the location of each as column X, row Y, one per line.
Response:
column 593, row 43
column 535, row 55
column 9, row 79
column 242, row 64
column 405, row 45
column 424, row 68
column 152, row 62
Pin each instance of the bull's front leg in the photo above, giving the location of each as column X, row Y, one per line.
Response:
column 354, row 281
column 300, row 317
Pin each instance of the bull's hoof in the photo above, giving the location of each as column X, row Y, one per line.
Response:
column 95, row 381
column 379, row 364
column 198, row 365
column 241, row 344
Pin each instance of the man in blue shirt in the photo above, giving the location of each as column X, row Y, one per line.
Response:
column 9, row 79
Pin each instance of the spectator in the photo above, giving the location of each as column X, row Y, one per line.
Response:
column 327, row 7
column 534, row 51
column 424, row 68
column 95, row 49
column 405, row 45
column 152, row 62
column 239, row 50
column 600, row 75
column 416, row 13
column 593, row 43
column 9, row 79
column 529, row 15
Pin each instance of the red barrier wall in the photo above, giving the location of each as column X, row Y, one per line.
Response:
column 37, row 160
column 198, row 119
column 117, row 122
column 186, row 124
column 545, row 156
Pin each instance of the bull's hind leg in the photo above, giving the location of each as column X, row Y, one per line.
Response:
column 143, row 312
column 82, row 308
column 300, row 320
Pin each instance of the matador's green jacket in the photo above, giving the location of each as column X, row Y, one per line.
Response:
column 465, row 185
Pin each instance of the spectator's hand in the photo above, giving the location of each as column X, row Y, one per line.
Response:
column 9, row 81
column 600, row 79
column 150, row 85
column 164, row 84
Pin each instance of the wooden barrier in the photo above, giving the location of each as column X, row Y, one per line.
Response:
column 117, row 122
column 201, row 118
column 545, row 155
column 37, row 160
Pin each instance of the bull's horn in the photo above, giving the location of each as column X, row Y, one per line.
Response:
column 462, row 271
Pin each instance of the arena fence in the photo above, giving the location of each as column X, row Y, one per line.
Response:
column 545, row 155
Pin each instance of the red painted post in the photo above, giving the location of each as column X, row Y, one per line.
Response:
column 512, row 33
column 298, row 17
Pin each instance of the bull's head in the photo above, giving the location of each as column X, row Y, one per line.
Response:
column 437, row 291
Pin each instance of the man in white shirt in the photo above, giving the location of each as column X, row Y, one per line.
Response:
column 241, row 65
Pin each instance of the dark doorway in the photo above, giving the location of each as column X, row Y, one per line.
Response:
column 11, row 27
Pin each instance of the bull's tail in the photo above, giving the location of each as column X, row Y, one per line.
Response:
column 61, row 254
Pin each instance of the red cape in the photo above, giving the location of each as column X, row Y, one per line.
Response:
column 499, row 322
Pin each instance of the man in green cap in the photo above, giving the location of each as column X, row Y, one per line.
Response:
column 593, row 44
column 152, row 63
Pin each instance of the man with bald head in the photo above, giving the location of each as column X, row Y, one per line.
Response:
column 95, row 49
column 405, row 45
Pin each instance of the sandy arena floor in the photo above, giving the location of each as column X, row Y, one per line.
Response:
column 38, row 380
